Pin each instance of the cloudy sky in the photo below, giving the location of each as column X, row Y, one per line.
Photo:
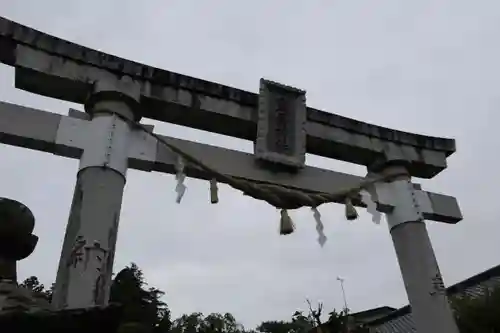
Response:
column 427, row 66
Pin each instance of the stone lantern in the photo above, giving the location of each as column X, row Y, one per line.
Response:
column 16, row 243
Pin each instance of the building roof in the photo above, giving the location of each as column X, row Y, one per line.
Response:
column 401, row 319
column 371, row 314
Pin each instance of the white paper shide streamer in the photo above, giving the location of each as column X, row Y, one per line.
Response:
column 180, row 176
column 319, row 227
column 371, row 206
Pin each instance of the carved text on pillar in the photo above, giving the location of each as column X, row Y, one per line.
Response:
column 76, row 255
column 438, row 285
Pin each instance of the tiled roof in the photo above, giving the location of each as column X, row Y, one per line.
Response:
column 371, row 314
column 401, row 321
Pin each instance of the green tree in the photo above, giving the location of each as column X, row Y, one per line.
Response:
column 32, row 283
column 299, row 323
column 213, row 323
column 188, row 323
column 478, row 314
column 140, row 304
column 221, row 323
column 337, row 321
column 274, row 326
column 302, row 323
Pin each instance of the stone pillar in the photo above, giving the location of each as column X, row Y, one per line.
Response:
column 86, row 263
column 16, row 243
column 422, row 279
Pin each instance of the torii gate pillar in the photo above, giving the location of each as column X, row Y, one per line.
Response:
column 424, row 285
column 87, row 257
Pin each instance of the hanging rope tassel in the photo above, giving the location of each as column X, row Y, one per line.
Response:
column 319, row 227
column 275, row 195
column 180, row 176
column 350, row 211
column 286, row 223
column 214, row 191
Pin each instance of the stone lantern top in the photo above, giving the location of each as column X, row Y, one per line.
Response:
column 16, row 239
column 16, row 243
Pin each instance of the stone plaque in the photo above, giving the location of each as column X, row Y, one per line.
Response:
column 281, row 135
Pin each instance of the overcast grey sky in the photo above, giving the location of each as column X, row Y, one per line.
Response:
column 427, row 66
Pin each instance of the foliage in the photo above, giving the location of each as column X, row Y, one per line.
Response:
column 213, row 323
column 141, row 305
column 144, row 311
column 299, row 324
column 37, row 288
column 337, row 321
column 276, row 327
column 478, row 314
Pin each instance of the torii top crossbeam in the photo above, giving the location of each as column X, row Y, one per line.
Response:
column 167, row 96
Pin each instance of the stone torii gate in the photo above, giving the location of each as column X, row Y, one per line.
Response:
column 117, row 93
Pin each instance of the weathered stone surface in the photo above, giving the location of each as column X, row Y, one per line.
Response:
column 16, row 238
column 16, row 243
column 16, row 298
column 61, row 69
column 281, row 136
column 149, row 155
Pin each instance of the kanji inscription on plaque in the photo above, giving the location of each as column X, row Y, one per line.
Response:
column 281, row 136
